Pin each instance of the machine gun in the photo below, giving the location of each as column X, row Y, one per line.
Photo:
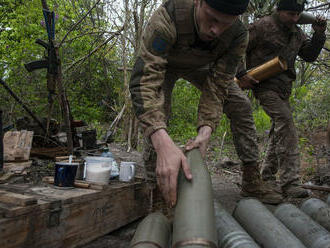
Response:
column 51, row 61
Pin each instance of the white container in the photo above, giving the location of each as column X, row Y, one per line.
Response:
column 98, row 169
column 108, row 160
column 98, row 172
column 91, row 159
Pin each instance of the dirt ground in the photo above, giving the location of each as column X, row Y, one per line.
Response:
column 226, row 178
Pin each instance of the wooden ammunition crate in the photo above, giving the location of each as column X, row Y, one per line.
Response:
column 48, row 216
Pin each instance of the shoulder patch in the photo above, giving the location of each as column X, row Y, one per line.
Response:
column 159, row 45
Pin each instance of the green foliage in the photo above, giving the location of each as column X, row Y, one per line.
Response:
column 311, row 104
column 310, row 171
column 183, row 120
column 261, row 120
column 93, row 85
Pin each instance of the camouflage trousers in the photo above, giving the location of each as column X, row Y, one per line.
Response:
column 282, row 155
column 236, row 106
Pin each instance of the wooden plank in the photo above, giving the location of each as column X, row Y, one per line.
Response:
column 17, row 199
column 17, row 145
column 16, row 167
column 77, row 183
column 64, row 158
column 51, row 152
column 88, row 215
column 13, row 169
column 316, row 187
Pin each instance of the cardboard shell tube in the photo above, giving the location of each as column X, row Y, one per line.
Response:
column 269, row 69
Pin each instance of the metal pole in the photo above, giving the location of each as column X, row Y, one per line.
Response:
column 1, row 143
column 22, row 104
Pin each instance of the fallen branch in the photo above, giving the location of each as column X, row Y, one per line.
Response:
column 222, row 142
column 230, row 172
column 117, row 119
column 315, row 187
column 114, row 123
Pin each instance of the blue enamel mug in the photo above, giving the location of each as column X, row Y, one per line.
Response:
column 65, row 174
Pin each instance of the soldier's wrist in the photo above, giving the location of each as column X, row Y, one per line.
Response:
column 241, row 74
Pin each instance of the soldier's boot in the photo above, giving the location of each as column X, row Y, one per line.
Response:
column 294, row 191
column 254, row 186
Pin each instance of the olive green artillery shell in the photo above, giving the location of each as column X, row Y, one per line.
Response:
column 194, row 219
column 153, row 232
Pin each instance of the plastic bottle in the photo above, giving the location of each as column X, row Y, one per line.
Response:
column 106, row 153
column 114, row 165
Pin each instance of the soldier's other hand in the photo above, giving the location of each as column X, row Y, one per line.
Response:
column 320, row 25
column 169, row 160
column 201, row 140
column 247, row 82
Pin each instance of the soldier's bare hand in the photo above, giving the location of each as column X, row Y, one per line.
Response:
column 320, row 25
column 169, row 160
column 201, row 140
column 247, row 82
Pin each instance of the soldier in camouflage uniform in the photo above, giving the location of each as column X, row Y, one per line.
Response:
column 271, row 36
column 201, row 41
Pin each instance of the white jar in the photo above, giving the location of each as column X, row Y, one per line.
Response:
column 98, row 169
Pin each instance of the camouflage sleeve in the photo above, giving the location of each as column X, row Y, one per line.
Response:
column 254, row 35
column 311, row 48
column 222, row 74
column 149, row 71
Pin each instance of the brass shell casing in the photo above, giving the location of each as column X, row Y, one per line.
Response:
column 269, row 69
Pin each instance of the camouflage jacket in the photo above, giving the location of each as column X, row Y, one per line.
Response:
column 170, row 42
column 270, row 38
